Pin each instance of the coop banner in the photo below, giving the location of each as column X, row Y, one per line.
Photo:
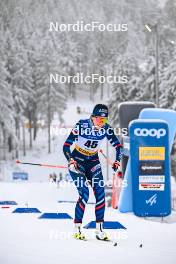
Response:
column 150, row 167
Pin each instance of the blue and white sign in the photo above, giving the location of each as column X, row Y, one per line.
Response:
column 20, row 176
column 150, row 167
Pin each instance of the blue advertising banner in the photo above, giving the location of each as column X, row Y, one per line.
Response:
column 150, row 167
column 169, row 116
column 20, row 176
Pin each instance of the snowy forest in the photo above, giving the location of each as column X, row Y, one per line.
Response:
column 29, row 52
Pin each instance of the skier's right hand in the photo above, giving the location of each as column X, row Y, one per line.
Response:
column 72, row 164
column 116, row 165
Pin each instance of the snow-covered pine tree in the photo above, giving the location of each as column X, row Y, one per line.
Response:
column 147, row 89
column 51, row 96
column 6, row 108
column 127, row 91
column 168, row 85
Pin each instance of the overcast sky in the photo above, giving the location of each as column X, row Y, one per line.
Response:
column 162, row 2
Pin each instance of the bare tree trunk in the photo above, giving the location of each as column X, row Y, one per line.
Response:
column 17, row 137
column 90, row 95
column 72, row 86
column 101, row 86
column 24, row 140
column 49, row 121
column 4, row 144
column 10, row 147
column 34, row 124
column 30, row 129
column 49, row 136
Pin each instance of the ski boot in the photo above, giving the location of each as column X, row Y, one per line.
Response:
column 99, row 233
column 78, row 233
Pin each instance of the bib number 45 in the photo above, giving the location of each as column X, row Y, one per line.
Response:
column 91, row 144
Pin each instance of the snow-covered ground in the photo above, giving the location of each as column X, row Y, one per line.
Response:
column 24, row 238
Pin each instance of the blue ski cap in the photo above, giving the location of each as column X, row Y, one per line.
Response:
column 100, row 110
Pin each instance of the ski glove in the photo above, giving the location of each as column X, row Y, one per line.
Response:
column 72, row 164
column 116, row 165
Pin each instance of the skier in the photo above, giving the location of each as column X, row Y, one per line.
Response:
column 84, row 165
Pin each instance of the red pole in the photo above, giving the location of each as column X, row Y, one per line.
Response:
column 42, row 165
column 107, row 159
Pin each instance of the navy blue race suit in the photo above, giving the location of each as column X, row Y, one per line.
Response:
column 87, row 143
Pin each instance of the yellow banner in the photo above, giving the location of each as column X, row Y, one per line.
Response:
column 85, row 152
column 151, row 153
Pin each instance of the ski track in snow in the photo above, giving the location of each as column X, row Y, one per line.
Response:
column 26, row 239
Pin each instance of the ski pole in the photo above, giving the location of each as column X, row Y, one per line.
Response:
column 117, row 176
column 119, row 173
column 43, row 165
column 107, row 159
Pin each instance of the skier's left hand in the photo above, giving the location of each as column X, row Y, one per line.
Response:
column 115, row 165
